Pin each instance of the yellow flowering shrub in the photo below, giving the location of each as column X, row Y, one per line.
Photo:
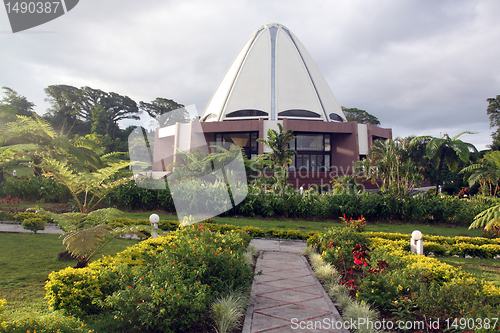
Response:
column 2, row 309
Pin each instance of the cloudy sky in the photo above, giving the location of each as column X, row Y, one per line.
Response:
column 422, row 67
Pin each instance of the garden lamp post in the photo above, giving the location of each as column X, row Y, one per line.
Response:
column 417, row 243
column 154, row 219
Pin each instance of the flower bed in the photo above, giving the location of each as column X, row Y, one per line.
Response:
column 441, row 246
column 402, row 285
column 165, row 284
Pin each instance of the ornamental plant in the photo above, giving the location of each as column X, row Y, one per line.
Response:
column 165, row 284
column 34, row 224
column 358, row 224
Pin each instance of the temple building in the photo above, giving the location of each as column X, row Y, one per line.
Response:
column 273, row 80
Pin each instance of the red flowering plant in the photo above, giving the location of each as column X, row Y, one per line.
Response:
column 360, row 254
column 11, row 201
column 358, row 224
column 464, row 193
column 491, row 233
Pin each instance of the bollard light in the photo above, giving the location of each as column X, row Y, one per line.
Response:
column 417, row 243
column 416, row 235
column 154, row 219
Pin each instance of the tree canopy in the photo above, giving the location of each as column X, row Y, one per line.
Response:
column 361, row 116
column 13, row 104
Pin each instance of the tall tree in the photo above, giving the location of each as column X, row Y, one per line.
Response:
column 12, row 105
column 88, row 105
column 361, row 116
column 493, row 111
column 64, row 112
column 161, row 110
column 446, row 151
column 281, row 154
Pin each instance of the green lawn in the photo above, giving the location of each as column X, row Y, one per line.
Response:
column 25, row 263
column 487, row 269
column 21, row 171
column 306, row 226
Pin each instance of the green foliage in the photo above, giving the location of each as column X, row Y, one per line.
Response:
column 166, row 284
column 34, row 224
column 34, row 188
column 486, row 173
column 6, row 216
column 446, row 151
column 27, row 215
column 487, row 219
column 336, row 246
column 407, row 285
column 2, row 309
column 76, row 291
column 50, row 323
column 361, row 116
column 388, row 161
column 229, row 310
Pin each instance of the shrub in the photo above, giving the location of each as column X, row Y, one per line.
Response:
column 35, row 188
column 174, row 292
column 164, row 284
column 2, row 309
column 337, row 244
column 34, row 224
column 27, row 215
column 6, row 216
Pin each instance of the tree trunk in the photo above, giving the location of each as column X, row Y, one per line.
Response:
column 441, row 161
column 82, row 262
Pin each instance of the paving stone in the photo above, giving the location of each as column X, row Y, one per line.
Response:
column 286, row 291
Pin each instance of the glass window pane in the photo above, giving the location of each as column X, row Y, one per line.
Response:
column 327, row 142
column 313, row 163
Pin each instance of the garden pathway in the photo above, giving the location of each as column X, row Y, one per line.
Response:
column 50, row 228
column 287, row 297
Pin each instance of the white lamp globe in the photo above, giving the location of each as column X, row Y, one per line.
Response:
column 416, row 235
column 154, row 218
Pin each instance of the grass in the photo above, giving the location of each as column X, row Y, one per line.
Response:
column 305, row 226
column 21, row 171
column 487, row 269
column 26, row 261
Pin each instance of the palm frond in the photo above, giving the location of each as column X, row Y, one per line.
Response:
column 487, row 219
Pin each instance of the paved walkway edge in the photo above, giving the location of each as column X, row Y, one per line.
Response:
column 247, row 325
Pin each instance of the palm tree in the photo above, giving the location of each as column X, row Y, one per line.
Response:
column 446, row 151
column 388, row 162
column 281, row 154
column 486, row 172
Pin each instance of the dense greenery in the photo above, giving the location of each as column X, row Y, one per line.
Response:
column 165, row 284
column 402, row 285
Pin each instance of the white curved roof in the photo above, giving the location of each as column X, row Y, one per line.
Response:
column 273, row 77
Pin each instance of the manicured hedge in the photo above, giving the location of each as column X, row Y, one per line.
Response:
column 441, row 246
column 313, row 205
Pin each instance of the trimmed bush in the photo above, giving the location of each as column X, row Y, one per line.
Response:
column 27, row 215
column 34, row 224
column 6, row 216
